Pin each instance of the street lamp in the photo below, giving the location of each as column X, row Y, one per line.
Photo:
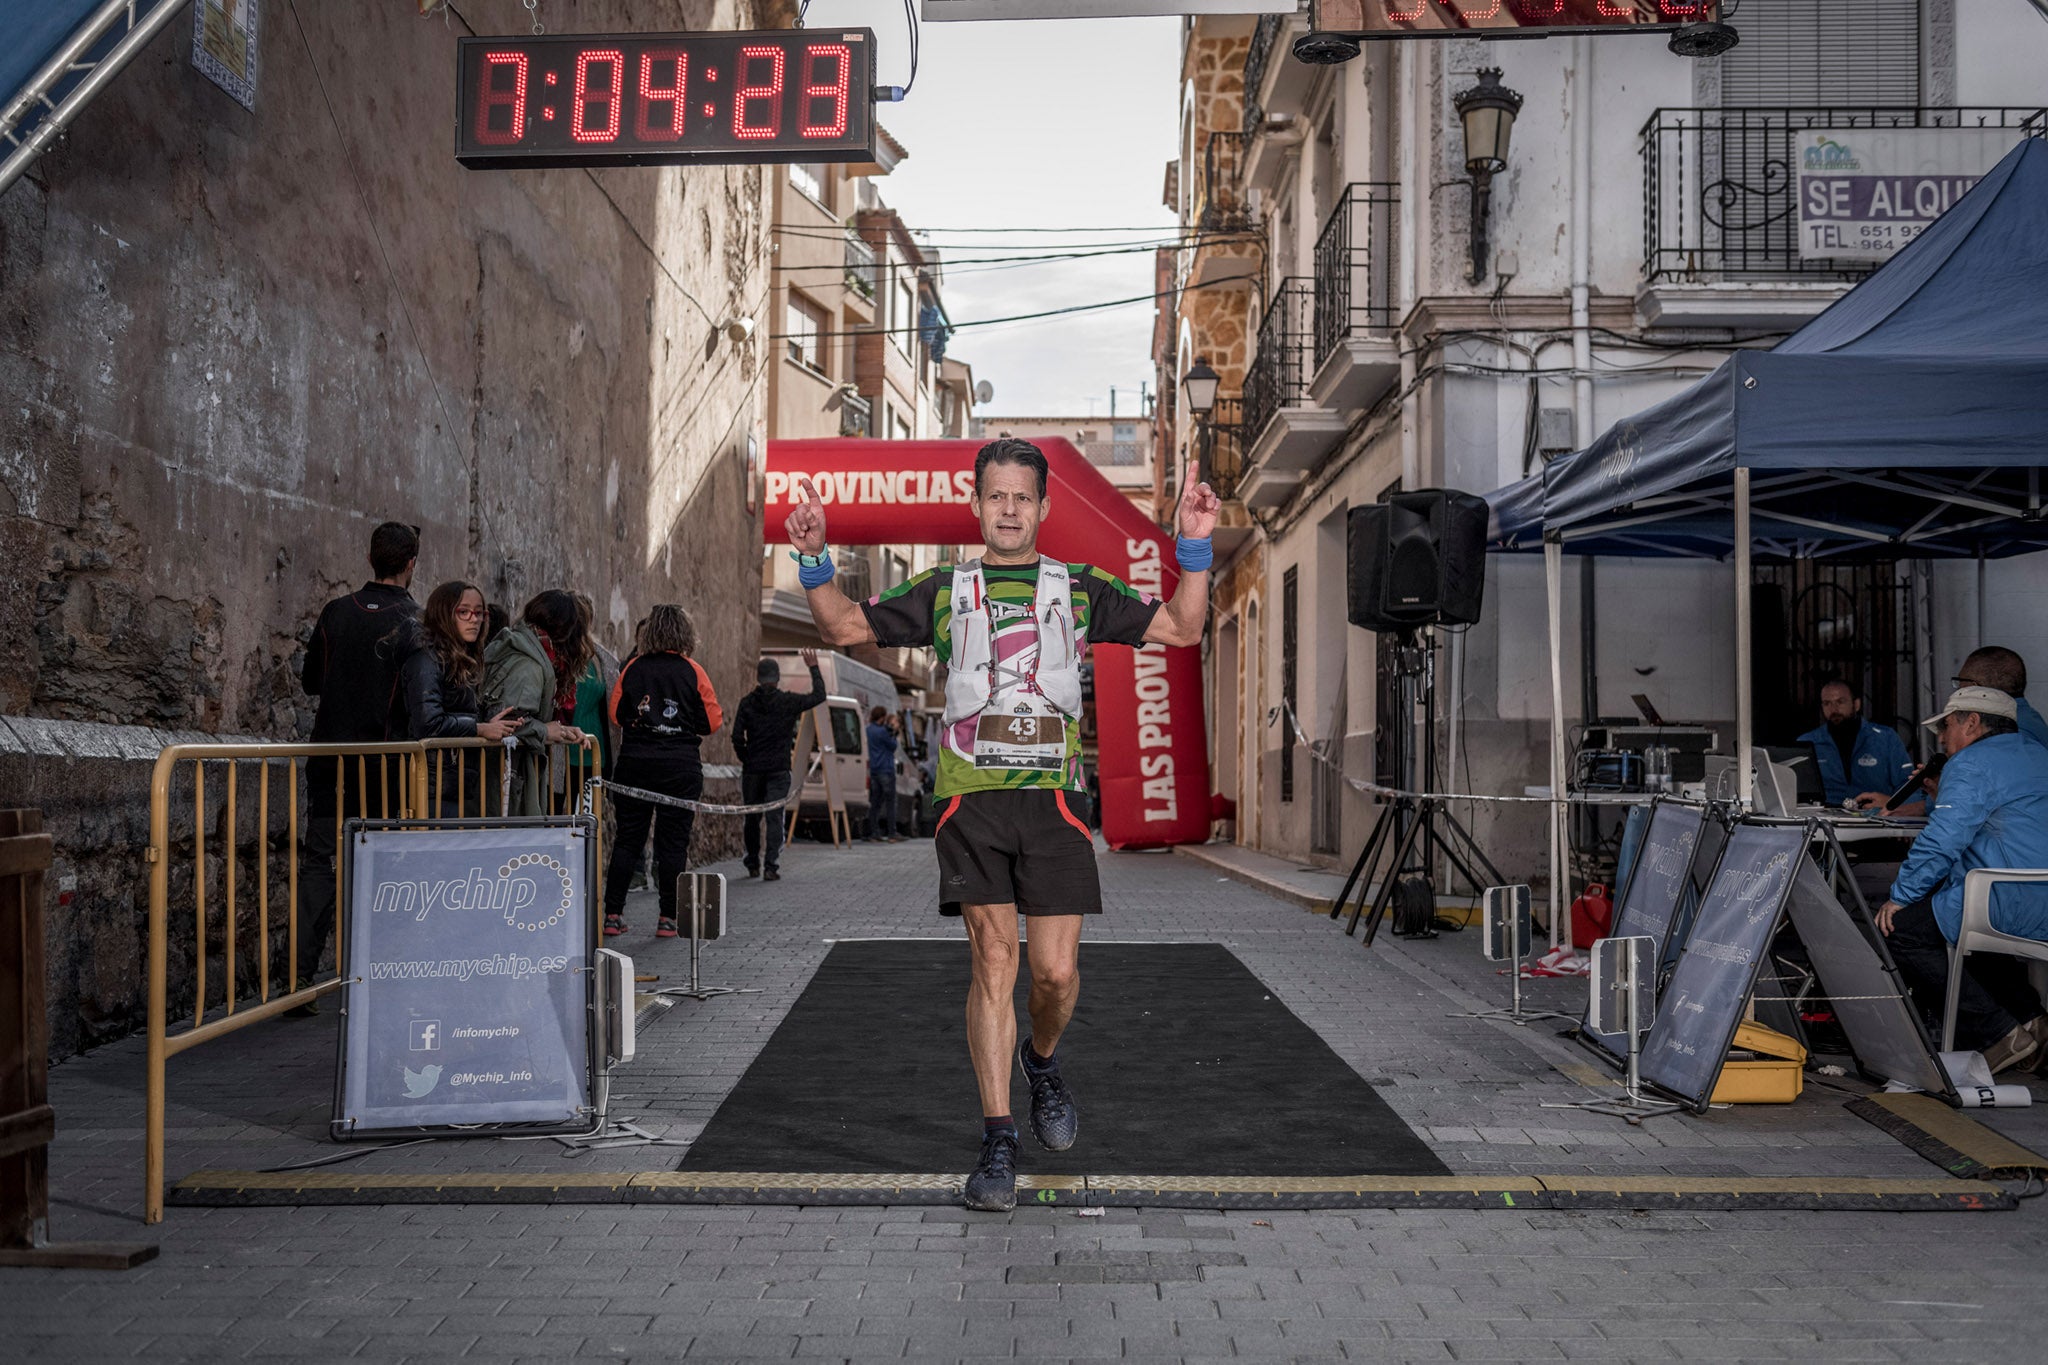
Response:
column 1200, row 384
column 1488, row 112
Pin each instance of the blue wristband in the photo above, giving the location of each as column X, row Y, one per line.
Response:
column 1192, row 555
column 816, row 575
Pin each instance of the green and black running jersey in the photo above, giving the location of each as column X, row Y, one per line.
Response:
column 919, row 613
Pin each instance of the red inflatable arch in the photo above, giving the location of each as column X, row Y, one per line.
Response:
column 1151, row 748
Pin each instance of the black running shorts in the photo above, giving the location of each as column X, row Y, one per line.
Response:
column 1025, row 847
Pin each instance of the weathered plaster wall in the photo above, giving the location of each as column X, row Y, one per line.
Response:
column 232, row 342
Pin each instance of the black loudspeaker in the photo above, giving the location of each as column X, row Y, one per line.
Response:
column 1417, row 559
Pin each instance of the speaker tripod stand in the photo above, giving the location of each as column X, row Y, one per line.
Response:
column 1412, row 819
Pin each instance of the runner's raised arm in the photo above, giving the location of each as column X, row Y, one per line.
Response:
column 839, row 618
column 1180, row 621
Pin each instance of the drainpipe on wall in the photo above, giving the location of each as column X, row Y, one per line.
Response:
column 1582, row 244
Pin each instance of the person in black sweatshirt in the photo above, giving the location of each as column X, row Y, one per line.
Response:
column 664, row 706
column 352, row 660
column 440, row 679
column 763, row 731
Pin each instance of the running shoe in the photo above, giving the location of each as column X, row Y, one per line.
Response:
column 614, row 925
column 1055, row 1118
column 665, row 927
column 992, row 1186
column 771, row 875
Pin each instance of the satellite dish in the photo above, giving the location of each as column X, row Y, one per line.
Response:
column 984, row 392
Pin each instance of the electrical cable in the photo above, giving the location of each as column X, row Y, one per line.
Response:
column 1020, row 317
column 349, row 1155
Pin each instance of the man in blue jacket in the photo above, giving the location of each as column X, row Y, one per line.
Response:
column 1998, row 667
column 1856, row 758
column 1991, row 811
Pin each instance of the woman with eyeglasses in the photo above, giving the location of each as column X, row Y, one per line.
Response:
column 440, row 681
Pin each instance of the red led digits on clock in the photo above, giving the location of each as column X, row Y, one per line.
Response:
column 1394, row 10
column 750, row 94
column 671, row 95
column 1678, row 9
column 834, row 90
column 609, row 98
column 491, row 96
column 1458, row 7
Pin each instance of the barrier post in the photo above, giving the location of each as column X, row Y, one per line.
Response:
column 27, row 1122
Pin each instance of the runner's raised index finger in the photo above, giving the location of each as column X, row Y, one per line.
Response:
column 810, row 493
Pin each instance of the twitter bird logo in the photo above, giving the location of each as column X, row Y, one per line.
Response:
column 421, row 1083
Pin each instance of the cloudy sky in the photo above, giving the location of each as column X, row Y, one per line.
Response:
column 1033, row 125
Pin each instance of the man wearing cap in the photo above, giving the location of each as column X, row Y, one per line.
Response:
column 1991, row 811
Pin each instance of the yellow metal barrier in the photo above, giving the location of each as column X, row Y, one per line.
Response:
column 390, row 781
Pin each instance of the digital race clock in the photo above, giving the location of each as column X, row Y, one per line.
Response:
column 1505, row 18
column 665, row 99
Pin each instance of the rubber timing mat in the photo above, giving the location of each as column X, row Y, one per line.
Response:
column 1182, row 1063
column 1953, row 1141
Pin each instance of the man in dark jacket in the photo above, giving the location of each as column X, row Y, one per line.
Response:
column 763, row 732
column 352, row 665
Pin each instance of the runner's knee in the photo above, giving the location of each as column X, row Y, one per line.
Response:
column 1057, row 977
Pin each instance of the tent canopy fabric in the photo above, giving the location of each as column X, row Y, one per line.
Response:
column 1909, row 419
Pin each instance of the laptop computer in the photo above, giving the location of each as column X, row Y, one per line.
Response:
column 1777, row 790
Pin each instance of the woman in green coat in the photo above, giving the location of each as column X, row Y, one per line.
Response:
column 533, row 667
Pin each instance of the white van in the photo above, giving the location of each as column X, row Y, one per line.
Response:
column 852, row 691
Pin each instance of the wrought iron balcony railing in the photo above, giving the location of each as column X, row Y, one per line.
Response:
column 1265, row 38
column 1286, row 356
column 855, row 415
column 1223, row 458
column 1224, row 206
column 1720, row 186
column 861, row 271
column 1355, row 266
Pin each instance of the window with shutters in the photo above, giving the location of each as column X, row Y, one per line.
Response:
column 1826, row 53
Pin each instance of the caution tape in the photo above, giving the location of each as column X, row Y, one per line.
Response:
column 1359, row 784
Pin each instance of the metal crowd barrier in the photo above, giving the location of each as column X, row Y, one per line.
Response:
column 389, row 781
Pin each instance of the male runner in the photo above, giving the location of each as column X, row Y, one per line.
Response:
column 1013, row 627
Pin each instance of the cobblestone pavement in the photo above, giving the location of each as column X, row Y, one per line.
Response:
column 434, row 1282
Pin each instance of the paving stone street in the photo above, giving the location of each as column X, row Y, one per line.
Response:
column 550, row 1282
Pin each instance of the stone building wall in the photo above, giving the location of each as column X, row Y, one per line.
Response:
column 233, row 342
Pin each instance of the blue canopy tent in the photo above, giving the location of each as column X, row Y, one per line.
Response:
column 1908, row 420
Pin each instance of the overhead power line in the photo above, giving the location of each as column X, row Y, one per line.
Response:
column 1015, row 317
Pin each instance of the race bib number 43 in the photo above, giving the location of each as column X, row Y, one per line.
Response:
column 1035, row 740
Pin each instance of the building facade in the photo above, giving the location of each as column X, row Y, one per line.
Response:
column 235, row 340
column 859, row 349
column 1380, row 324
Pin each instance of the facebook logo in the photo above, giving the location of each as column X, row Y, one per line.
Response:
column 426, row 1035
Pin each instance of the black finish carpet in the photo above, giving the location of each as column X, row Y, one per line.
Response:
column 1182, row 1062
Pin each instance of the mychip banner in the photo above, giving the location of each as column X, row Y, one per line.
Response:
column 1866, row 192
column 469, row 989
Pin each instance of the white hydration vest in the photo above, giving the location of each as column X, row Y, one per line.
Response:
column 1053, row 675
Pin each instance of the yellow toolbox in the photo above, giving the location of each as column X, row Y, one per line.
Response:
column 1775, row 1074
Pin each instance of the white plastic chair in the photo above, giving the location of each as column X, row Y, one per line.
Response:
column 1977, row 936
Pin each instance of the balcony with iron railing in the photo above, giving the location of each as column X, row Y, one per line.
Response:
column 1721, row 211
column 863, row 273
column 1257, row 60
column 1356, row 355
column 1224, row 206
column 1220, row 447
column 1286, row 432
column 1225, row 247
column 856, row 415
